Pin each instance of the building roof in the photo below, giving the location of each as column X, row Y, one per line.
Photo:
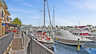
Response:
column 3, row 4
column 6, row 12
column 0, row 4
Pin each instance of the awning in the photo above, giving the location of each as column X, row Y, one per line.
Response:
column 13, row 25
column 3, row 24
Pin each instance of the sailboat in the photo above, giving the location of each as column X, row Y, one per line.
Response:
column 44, row 35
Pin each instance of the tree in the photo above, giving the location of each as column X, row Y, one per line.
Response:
column 17, row 21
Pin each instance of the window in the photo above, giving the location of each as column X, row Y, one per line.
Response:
column 2, row 14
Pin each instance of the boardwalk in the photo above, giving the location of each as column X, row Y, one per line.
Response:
column 23, row 44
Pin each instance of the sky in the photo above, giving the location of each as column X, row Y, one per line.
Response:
column 67, row 12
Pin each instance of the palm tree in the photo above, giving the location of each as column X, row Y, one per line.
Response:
column 17, row 21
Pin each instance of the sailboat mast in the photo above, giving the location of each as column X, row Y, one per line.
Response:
column 44, row 13
column 53, row 17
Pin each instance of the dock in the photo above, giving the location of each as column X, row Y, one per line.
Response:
column 28, row 44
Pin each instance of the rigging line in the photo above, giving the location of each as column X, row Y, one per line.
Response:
column 51, row 26
column 53, row 17
column 49, row 14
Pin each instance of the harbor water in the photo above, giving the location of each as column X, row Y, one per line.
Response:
column 60, row 48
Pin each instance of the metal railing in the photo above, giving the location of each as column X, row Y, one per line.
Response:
column 5, row 41
column 36, row 47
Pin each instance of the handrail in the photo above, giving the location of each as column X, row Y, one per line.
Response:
column 43, row 46
column 36, row 47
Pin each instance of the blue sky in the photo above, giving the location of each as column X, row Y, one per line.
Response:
column 67, row 12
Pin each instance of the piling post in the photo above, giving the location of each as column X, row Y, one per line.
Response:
column 78, row 46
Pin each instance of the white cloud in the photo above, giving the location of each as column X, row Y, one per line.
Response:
column 28, row 4
column 66, row 20
column 89, row 4
column 23, row 11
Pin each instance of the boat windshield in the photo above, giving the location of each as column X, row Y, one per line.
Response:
column 58, row 34
column 82, row 34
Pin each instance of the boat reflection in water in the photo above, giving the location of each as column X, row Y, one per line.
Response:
column 87, row 48
column 90, row 47
column 68, row 49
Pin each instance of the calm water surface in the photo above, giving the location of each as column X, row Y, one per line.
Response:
column 68, row 49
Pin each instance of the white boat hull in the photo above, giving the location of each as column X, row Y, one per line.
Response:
column 71, row 42
column 67, row 38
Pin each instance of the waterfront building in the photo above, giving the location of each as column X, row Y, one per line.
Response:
column 4, row 16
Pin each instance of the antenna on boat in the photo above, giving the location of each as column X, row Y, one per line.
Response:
column 79, row 23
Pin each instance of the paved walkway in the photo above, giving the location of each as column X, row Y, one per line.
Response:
column 25, row 44
column 5, row 42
